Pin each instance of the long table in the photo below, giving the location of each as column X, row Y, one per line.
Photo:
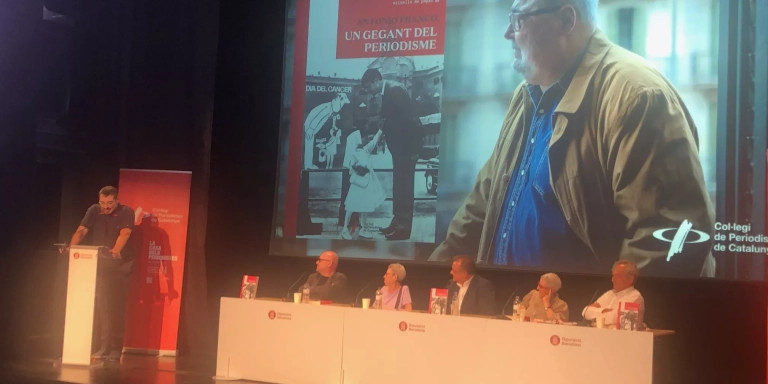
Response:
column 280, row 342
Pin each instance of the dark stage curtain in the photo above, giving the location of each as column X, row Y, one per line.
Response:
column 143, row 97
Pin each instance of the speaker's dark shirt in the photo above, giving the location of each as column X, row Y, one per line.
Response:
column 103, row 230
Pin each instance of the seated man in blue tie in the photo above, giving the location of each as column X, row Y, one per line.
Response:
column 474, row 294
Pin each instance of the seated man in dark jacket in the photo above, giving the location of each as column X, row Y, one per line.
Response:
column 326, row 283
column 473, row 294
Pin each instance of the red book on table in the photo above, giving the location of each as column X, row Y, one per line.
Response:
column 248, row 287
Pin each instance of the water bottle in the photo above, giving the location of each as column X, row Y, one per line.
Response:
column 377, row 301
column 305, row 294
column 516, row 315
column 455, row 304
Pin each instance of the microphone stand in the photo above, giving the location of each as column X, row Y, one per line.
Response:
column 504, row 308
column 290, row 289
column 357, row 297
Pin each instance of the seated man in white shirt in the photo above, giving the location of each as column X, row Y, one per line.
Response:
column 623, row 276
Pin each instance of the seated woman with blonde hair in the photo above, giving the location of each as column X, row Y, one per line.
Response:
column 394, row 295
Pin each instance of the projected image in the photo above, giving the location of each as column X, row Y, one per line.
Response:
column 371, row 124
column 413, row 136
column 371, row 149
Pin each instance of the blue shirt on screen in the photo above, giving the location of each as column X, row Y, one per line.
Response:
column 532, row 230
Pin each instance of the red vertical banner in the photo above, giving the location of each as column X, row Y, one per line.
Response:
column 160, row 200
column 296, row 133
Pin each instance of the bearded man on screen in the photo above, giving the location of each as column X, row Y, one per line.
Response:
column 596, row 153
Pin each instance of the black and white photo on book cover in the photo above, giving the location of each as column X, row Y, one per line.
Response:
column 371, row 124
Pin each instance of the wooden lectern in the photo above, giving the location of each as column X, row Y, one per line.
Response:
column 81, row 295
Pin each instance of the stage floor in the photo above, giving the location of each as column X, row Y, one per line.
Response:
column 132, row 369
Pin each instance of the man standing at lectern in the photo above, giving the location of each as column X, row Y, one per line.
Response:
column 109, row 224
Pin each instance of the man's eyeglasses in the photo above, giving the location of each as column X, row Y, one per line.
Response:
column 516, row 18
column 107, row 203
column 319, row 260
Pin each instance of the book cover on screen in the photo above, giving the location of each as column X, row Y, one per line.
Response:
column 360, row 143
column 438, row 301
column 628, row 316
column 248, row 287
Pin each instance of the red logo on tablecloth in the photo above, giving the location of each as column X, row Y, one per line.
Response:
column 76, row 255
column 403, row 326
column 272, row 315
column 555, row 340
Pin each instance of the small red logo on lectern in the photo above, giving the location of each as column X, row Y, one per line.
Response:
column 403, row 326
column 76, row 255
column 272, row 315
column 555, row 340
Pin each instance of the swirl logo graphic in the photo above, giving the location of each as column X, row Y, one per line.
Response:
column 403, row 326
column 555, row 340
column 272, row 315
column 680, row 238
column 76, row 256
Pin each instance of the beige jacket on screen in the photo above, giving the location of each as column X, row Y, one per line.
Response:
column 623, row 163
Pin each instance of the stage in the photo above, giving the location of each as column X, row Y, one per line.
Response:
column 132, row 369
